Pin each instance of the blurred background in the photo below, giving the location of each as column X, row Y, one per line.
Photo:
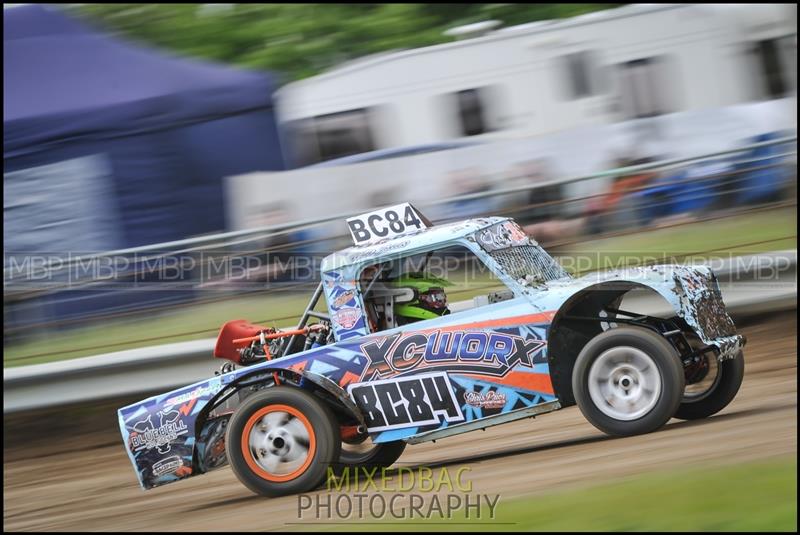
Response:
column 170, row 167
column 164, row 163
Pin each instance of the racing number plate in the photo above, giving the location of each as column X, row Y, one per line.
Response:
column 386, row 223
column 417, row 400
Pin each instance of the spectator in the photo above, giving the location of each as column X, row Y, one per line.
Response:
column 612, row 210
column 542, row 202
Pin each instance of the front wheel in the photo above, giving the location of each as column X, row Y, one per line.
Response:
column 628, row 381
column 713, row 390
column 282, row 441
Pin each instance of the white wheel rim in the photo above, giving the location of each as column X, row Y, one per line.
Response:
column 624, row 383
column 279, row 443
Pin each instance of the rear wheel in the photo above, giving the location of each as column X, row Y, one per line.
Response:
column 282, row 441
column 362, row 452
column 628, row 381
column 711, row 387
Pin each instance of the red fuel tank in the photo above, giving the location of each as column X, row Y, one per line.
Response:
column 231, row 331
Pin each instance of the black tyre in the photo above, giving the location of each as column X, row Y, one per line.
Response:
column 628, row 381
column 714, row 391
column 282, row 441
column 369, row 455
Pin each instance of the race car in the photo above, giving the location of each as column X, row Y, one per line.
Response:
column 392, row 361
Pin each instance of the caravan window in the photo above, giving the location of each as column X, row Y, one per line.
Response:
column 471, row 112
column 344, row 133
column 581, row 75
column 330, row 136
column 643, row 88
column 301, row 142
column 775, row 69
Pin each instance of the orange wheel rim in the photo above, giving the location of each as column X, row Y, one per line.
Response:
column 266, row 438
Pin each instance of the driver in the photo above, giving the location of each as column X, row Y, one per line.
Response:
column 429, row 298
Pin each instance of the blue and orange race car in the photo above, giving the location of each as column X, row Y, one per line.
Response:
column 392, row 362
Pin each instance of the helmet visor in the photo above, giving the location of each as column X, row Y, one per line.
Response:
column 433, row 298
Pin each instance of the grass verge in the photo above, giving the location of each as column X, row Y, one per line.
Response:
column 756, row 496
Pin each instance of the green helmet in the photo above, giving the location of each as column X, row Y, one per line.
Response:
column 430, row 300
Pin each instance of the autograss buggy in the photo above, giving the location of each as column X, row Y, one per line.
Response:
column 357, row 385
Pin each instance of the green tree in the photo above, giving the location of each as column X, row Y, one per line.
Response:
column 301, row 40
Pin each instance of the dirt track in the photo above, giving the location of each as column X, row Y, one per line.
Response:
column 95, row 488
